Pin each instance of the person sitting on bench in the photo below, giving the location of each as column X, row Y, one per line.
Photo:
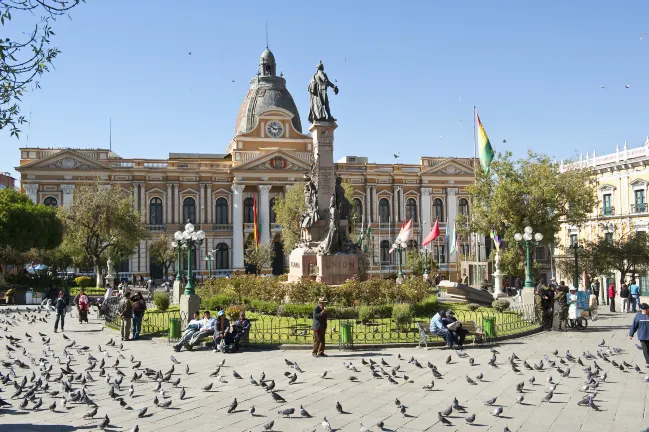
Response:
column 438, row 328
column 193, row 326
column 206, row 329
column 241, row 328
column 222, row 332
column 454, row 326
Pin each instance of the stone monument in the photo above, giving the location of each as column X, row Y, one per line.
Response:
column 110, row 274
column 325, row 251
column 498, row 278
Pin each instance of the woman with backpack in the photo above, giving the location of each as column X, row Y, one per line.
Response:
column 611, row 295
column 625, row 296
column 139, row 307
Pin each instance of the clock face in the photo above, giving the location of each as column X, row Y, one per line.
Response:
column 274, row 129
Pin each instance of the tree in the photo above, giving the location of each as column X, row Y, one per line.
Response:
column 102, row 222
column 627, row 253
column 415, row 262
column 22, row 62
column 260, row 256
column 532, row 191
column 162, row 253
column 24, row 225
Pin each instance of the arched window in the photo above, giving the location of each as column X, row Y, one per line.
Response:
column 411, row 209
column 155, row 211
column 384, row 210
column 221, row 260
column 463, row 206
column 385, row 252
column 358, row 209
column 271, row 210
column 221, row 211
column 248, row 215
column 50, row 201
column 438, row 210
column 189, row 210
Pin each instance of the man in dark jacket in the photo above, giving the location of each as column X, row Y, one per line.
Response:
column 641, row 325
column 60, row 306
column 547, row 302
column 139, row 307
column 319, row 328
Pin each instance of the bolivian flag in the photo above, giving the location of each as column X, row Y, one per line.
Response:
column 485, row 151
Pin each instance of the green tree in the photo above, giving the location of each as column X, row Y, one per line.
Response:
column 627, row 252
column 531, row 191
column 24, row 225
column 259, row 257
column 161, row 252
column 102, row 222
column 23, row 61
column 590, row 262
column 415, row 262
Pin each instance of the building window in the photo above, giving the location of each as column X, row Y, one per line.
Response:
column 155, row 211
column 189, row 210
column 574, row 239
column 411, row 210
column 221, row 259
column 607, row 210
column 464, row 207
column 358, row 208
column 608, row 237
column 439, row 252
column 385, row 252
column 51, row 201
column 640, row 205
column 248, row 212
column 540, row 254
column 384, row 210
column 271, row 210
column 124, row 266
column 438, row 209
column 464, row 249
column 221, row 211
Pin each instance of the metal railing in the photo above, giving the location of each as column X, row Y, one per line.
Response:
column 639, row 208
column 222, row 227
column 157, row 227
column 607, row 211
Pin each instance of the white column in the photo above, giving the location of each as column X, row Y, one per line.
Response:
column 395, row 205
column 264, row 222
column 136, row 195
column 68, row 191
column 402, row 213
column 177, row 204
column 32, row 192
column 237, row 226
column 367, row 206
column 201, row 208
column 375, row 205
column 451, row 212
column 209, row 203
column 169, row 202
column 424, row 209
column 143, row 202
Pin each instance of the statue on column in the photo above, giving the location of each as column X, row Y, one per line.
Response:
column 319, row 106
column 341, row 202
column 331, row 243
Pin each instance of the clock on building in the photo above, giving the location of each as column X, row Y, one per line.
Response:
column 274, row 129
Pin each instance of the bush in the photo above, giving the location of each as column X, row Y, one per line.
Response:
column 161, row 301
column 383, row 311
column 217, row 302
column 366, row 313
column 402, row 314
column 83, row 281
column 232, row 312
column 426, row 307
column 335, row 312
column 265, row 307
column 500, row 305
column 473, row 307
column 297, row 310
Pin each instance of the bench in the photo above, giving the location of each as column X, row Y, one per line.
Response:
column 425, row 334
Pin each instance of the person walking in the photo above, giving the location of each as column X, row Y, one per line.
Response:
column 641, row 326
column 319, row 328
column 634, row 291
column 561, row 298
column 125, row 312
column 60, row 307
column 624, row 295
column 611, row 296
column 595, row 290
column 139, row 306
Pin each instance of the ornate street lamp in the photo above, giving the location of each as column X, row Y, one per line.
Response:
column 178, row 247
column 190, row 240
column 576, row 247
column 528, row 239
column 424, row 253
column 209, row 258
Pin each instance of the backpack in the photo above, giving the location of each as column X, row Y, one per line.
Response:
column 624, row 292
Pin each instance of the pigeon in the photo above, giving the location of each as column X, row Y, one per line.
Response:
column 277, row 397
column 471, row 361
column 90, row 414
column 448, row 359
column 52, row 406
column 480, row 376
column 325, row 425
column 339, row 407
column 470, row 381
column 363, row 428
column 304, row 413
column 207, row 387
column 251, row 410
column 236, row 375
column 547, row 397
column 173, row 359
column 142, row 412
column 286, row 412
column 403, row 410
column 253, row 382
column 187, row 368
column 102, row 425
column 135, row 428
column 490, row 401
column 470, row 419
column 269, row 426
column 496, row 412
column 447, row 412
column 38, row 404
column 233, row 406
column 443, row 419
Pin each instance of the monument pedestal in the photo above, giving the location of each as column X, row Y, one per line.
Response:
column 498, row 285
column 528, row 302
column 302, row 265
column 336, row 269
column 188, row 305
column 178, row 290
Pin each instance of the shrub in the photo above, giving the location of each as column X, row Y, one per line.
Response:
column 297, row 310
column 217, row 302
column 500, row 305
column 426, row 307
column 83, row 281
column 265, row 307
column 366, row 313
column 335, row 312
column 472, row 307
column 402, row 314
column 161, row 301
column 232, row 312
column 383, row 311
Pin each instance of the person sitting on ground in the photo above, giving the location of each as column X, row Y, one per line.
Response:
column 454, row 326
column 222, row 332
column 438, row 328
column 206, row 329
column 193, row 326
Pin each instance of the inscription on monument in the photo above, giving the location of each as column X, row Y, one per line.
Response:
column 326, row 185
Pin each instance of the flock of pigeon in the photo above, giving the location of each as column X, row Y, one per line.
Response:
column 58, row 381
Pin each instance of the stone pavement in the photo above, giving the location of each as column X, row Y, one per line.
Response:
column 622, row 398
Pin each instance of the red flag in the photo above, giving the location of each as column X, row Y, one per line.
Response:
column 431, row 235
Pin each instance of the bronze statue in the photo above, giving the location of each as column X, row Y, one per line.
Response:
column 319, row 107
column 331, row 243
column 310, row 215
column 341, row 202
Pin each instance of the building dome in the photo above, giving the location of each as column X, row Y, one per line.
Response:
column 267, row 90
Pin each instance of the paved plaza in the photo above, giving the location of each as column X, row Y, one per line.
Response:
column 622, row 398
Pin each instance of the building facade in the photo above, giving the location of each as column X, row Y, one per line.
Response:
column 267, row 154
column 7, row 181
column 621, row 187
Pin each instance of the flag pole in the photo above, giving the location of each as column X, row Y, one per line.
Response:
column 475, row 174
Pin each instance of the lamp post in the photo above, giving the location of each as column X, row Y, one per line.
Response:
column 209, row 258
column 177, row 247
column 424, row 253
column 400, row 272
column 576, row 247
column 528, row 239
column 190, row 240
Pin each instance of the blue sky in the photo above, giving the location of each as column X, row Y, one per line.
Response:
column 409, row 73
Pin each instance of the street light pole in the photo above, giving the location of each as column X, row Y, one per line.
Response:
column 575, row 246
column 176, row 245
column 189, row 239
column 208, row 258
column 528, row 239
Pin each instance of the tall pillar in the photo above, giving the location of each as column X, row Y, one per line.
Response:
column 68, row 191
column 451, row 212
column 323, row 141
column 368, row 207
column 264, row 223
column 395, row 204
column 169, row 202
column 209, row 204
column 375, row 205
column 237, row 226
column 402, row 198
column 201, row 203
column 424, row 209
column 136, row 195
column 143, row 202
column 177, row 204
column 32, row 192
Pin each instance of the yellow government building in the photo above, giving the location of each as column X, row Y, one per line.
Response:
column 267, row 154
